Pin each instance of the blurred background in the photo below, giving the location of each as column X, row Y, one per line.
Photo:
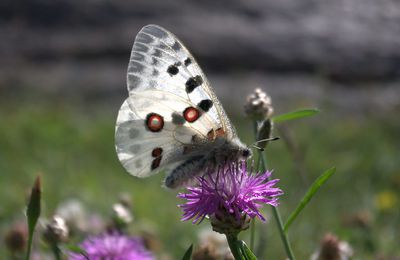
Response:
column 63, row 78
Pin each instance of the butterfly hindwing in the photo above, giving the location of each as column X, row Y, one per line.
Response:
column 136, row 145
column 152, row 131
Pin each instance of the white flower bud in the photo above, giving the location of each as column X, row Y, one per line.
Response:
column 56, row 230
column 258, row 105
column 122, row 214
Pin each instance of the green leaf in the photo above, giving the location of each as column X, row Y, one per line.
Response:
column 188, row 253
column 309, row 194
column 33, row 212
column 245, row 251
column 295, row 115
column 78, row 250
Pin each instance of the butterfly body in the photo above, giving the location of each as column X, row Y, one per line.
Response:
column 172, row 119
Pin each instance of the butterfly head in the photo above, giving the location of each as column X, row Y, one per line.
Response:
column 242, row 151
column 246, row 152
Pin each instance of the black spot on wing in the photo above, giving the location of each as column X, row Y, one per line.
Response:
column 205, row 105
column 187, row 62
column 173, row 70
column 193, row 83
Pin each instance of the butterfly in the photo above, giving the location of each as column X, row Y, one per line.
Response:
column 172, row 119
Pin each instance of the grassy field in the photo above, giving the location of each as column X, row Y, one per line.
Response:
column 72, row 148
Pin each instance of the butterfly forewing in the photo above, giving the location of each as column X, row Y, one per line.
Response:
column 159, row 60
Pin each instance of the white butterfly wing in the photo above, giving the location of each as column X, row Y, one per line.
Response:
column 170, row 106
column 142, row 149
column 135, row 146
column 160, row 61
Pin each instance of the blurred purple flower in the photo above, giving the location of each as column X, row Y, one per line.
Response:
column 231, row 190
column 113, row 246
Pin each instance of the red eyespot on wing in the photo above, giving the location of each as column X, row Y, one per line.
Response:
column 156, row 152
column 154, row 122
column 191, row 114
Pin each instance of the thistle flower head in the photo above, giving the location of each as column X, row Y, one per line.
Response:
column 16, row 238
column 332, row 248
column 231, row 196
column 114, row 246
column 74, row 213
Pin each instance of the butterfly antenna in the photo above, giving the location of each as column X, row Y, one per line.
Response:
column 263, row 140
column 257, row 147
column 267, row 140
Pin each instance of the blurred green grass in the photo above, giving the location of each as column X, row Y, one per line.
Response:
column 72, row 147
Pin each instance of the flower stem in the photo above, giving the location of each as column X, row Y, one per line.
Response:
column 283, row 235
column 28, row 252
column 253, row 224
column 252, row 233
column 233, row 245
column 275, row 210
column 56, row 251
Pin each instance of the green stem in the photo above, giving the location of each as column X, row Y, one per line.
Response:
column 275, row 210
column 56, row 251
column 233, row 245
column 283, row 235
column 253, row 224
column 252, row 233
column 258, row 163
column 28, row 252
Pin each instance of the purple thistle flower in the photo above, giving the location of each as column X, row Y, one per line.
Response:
column 231, row 191
column 113, row 246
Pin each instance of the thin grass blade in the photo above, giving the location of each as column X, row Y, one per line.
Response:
column 295, row 115
column 308, row 196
